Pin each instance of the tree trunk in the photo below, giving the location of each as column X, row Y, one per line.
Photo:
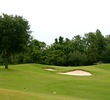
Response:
column 6, row 59
column 6, row 62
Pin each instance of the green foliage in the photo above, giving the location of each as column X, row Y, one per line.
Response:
column 87, row 50
column 77, row 59
column 14, row 35
column 93, row 47
column 106, row 52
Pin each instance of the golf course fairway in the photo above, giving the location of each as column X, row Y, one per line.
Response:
column 34, row 82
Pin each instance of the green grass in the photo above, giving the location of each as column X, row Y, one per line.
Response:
column 32, row 82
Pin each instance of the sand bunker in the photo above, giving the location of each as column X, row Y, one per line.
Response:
column 78, row 73
column 50, row 69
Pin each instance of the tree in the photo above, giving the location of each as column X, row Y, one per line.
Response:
column 61, row 40
column 36, row 49
column 14, row 36
column 100, row 43
column 78, row 43
column 56, row 41
column 106, row 51
column 91, row 47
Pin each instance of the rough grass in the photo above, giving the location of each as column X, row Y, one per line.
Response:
column 32, row 82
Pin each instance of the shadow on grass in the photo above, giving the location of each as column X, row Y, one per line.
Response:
column 2, row 68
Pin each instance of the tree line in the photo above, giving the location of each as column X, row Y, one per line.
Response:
column 90, row 49
column 17, row 46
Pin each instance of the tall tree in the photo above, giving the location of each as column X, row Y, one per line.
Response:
column 61, row 40
column 14, row 35
column 91, row 47
column 100, row 43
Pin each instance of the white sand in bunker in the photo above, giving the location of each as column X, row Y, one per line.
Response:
column 50, row 69
column 77, row 73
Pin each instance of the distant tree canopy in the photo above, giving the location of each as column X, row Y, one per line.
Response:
column 90, row 49
column 14, row 36
column 15, row 44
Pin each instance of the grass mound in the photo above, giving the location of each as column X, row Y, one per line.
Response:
column 32, row 82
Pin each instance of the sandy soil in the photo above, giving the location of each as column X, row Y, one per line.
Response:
column 50, row 69
column 77, row 73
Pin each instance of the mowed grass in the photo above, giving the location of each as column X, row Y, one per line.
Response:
column 33, row 82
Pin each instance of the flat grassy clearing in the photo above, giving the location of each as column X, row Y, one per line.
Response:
column 32, row 82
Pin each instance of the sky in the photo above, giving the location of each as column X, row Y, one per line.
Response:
column 50, row 19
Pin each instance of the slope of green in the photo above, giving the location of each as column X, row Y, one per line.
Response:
column 32, row 82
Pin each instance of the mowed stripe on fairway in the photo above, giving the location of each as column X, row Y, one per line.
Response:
column 6, row 94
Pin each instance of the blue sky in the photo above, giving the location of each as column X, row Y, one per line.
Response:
column 50, row 19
